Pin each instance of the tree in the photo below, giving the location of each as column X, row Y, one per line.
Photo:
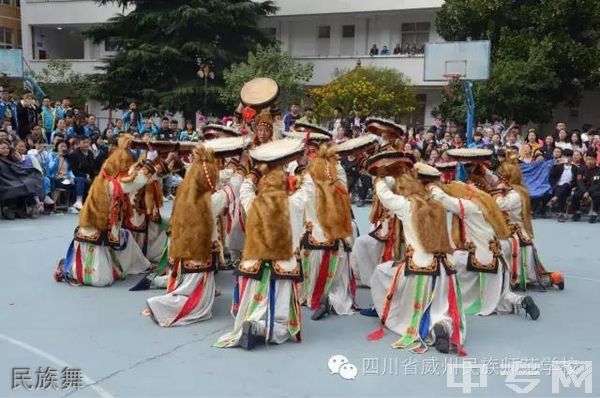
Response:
column 544, row 53
column 58, row 81
column 161, row 43
column 366, row 91
column 291, row 76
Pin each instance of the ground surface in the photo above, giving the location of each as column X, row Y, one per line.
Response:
column 124, row 354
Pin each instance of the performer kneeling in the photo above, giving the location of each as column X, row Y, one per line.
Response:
column 102, row 251
column 526, row 266
column 265, row 299
column 419, row 297
column 479, row 231
column 195, row 246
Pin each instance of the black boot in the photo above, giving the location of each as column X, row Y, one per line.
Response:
column 322, row 310
column 143, row 284
column 576, row 217
column 442, row 339
column 593, row 218
column 249, row 334
column 530, row 307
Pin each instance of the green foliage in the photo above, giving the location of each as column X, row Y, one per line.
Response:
column 291, row 76
column 159, row 43
column 366, row 91
column 58, row 81
column 543, row 53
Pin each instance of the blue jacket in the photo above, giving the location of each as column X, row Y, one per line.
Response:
column 12, row 107
column 153, row 130
column 53, row 167
column 48, row 118
column 127, row 120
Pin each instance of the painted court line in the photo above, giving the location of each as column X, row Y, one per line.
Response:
column 88, row 381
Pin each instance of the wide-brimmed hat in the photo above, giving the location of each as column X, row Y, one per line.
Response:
column 426, row 172
column 313, row 137
column 470, row 154
column 378, row 126
column 446, row 166
column 207, row 131
column 278, row 152
column 227, row 147
column 313, row 128
column 357, row 145
column 391, row 163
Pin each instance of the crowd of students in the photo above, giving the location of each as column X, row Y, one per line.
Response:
column 47, row 150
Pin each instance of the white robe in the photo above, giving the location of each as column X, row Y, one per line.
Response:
column 337, row 286
column 414, row 295
column 99, row 265
column 483, row 293
column 198, row 287
column 277, row 321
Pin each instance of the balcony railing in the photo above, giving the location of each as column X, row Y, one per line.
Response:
column 326, row 68
column 83, row 66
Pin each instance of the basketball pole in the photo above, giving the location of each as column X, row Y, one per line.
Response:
column 468, row 84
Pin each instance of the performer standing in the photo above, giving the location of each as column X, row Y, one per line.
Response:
column 265, row 300
column 195, row 247
column 419, row 297
column 102, row 251
column 479, row 231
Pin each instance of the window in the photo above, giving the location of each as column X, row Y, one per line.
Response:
column 18, row 3
column 324, row 32
column 6, row 36
column 348, row 31
column 415, row 35
column 5, row 2
column 110, row 44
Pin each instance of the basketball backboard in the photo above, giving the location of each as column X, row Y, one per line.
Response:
column 469, row 60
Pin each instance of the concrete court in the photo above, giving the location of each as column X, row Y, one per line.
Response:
column 124, row 354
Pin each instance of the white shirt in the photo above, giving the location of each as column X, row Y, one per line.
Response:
column 566, row 176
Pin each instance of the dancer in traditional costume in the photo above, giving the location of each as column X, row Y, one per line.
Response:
column 265, row 299
column 526, row 265
column 324, row 247
column 102, row 251
column 419, row 297
column 479, row 231
column 195, row 247
column 383, row 242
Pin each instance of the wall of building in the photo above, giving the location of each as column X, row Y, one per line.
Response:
column 312, row 7
column 10, row 18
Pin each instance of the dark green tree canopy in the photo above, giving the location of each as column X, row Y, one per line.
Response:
column 160, row 42
column 544, row 52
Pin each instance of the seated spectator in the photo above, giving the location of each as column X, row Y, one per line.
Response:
column 397, row 49
column 60, row 172
column 563, row 141
column 576, row 143
column 309, row 116
column 83, row 165
column 108, row 133
column 91, row 128
column 385, row 51
column 512, row 138
column 588, row 188
column 563, row 177
column 374, row 50
column 477, row 140
column 496, row 142
column 526, row 153
column 457, row 142
column 20, row 187
column 61, row 128
column 164, row 133
column 149, row 127
column 78, row 129
column 533, row 141
column 118, row 129
column 174, row 127
column 548, row 147
column 434, row 157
